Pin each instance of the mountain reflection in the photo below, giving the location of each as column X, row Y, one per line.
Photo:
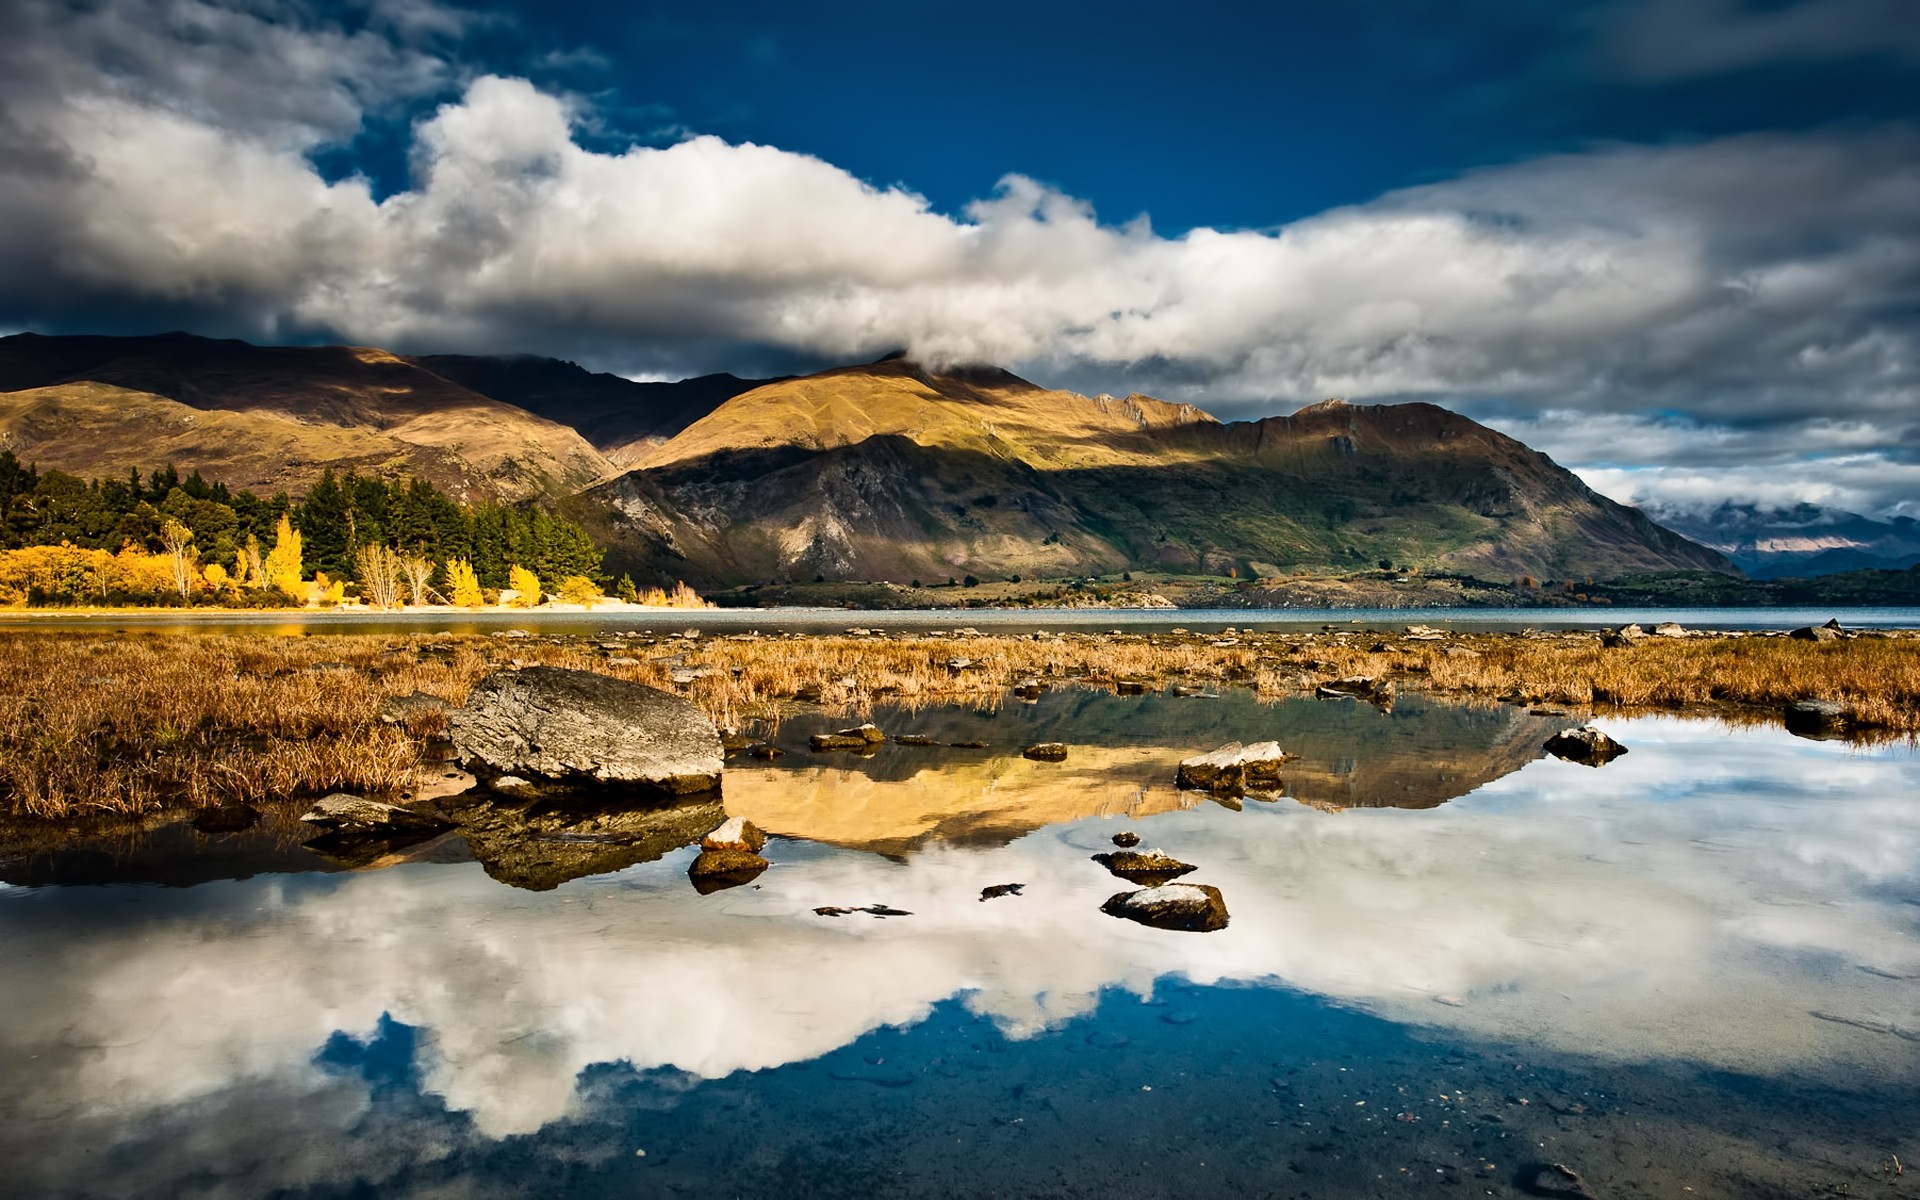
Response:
column 1701, row 899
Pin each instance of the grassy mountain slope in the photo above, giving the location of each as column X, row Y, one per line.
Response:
column 276, row 416
column 889, row 471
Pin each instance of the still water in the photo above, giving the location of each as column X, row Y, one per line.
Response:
column 1451, row 963
column 1002, row 621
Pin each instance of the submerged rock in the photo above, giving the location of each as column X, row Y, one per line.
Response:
column 539, row 843
column 1585, row 745
column 1816, row 718
column 1234, row 769
column 1126, row 839
column 860, row 737
column 1046, row 752
column 1188, row 907
column 343, row 813
column 737, row 833
column 566, row 730
column 717, row 870
column 1144, row 866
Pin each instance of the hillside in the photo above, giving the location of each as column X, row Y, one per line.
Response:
column 271, row 418
column 622, row 419
column 889, row 471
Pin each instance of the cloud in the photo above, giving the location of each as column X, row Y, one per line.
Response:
column 157, row 165
column 1662, row 40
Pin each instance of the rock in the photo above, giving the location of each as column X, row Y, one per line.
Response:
column 1000, row 889
column 1816, row 718
column 1670, row 629
column 401, row 710
column 1362, row 687
column 957, row 665
column 1585, row 745
column 686, row 675
column 1029, row 689
column 1146, row 867
column 532, row 842
column 575, row 730
column 717, row 870
column 737, row 834
column 1132, row 687
column 765, row 752
column 913, row 739
column 1126, row 839
column 1626, row 635
column 1234, row 769
column 973, row 744
column 1829, row 632
column 860, row 737
column 1189, row 907
column 733, row 740
column 343, row 813
column 1046, row 752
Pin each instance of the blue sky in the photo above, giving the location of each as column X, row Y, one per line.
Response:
column 1675, row 243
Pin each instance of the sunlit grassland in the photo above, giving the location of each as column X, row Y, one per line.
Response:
column 125, row 724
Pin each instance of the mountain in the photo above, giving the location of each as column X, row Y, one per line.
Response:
column 623, row 419
column 893, row 471
column 271, row 418
column 1799, row 540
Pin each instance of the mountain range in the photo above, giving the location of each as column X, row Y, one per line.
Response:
column 1803, row 540
column 890, row 470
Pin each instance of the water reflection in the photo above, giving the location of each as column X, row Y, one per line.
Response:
column 1744, row 899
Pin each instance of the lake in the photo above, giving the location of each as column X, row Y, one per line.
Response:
column 997, row 620
column 1451, row 964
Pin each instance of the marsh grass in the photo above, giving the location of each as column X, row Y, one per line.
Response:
column 125, row 725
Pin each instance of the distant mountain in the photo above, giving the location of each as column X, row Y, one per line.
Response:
column 271, row 418
column 623, row 419
column 892, row 471
column 1803, row 540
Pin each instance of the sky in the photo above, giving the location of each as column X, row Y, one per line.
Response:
column 1673, row 243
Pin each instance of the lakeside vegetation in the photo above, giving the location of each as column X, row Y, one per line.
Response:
column 173, row 541
column 98, row 725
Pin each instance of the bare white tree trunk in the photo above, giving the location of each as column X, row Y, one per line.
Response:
column 380, row 575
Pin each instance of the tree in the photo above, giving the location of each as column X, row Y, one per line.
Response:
column 178, row 541
column 578, row 589
column 464, row 584
column 380, row 575
column 283, row 568
column 526, row 583
column 626, row 590
column 418, row 569
column 972, row 581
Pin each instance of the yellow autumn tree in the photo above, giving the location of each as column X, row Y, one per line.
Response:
column 578, row 589
column 527, row 584
column 463, row 586
column 282, row 567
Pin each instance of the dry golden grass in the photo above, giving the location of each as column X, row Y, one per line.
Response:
column 118, row 724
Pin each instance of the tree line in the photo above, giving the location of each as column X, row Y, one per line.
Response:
column 173, row 539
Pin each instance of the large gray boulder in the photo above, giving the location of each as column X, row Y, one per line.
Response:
column 578, row 731
column 1188, row 907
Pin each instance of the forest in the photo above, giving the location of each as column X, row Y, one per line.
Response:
column 171, row 540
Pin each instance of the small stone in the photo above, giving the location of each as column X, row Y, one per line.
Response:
column 765, row 752
column 1132, row 687
column 913, row 739
column 344, row 812
column 860, row 737
column 1046, row 752
column 1829, row 632
column 1233, row 769
column 715, row 870
column 968, row 745
column 1000, row 889
column 1126, row 839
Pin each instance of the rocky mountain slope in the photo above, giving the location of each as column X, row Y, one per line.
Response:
column 272, row 418
column 890, row 471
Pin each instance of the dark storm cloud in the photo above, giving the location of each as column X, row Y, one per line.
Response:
column 1736, row 302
